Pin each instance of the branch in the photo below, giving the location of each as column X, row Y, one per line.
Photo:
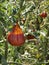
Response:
column 1, row 41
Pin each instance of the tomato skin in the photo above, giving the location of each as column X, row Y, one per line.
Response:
column 43, row 14
column 16, row 37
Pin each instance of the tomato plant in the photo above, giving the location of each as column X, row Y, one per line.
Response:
column 27, row 42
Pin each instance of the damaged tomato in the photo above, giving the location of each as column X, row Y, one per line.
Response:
column 29, row 36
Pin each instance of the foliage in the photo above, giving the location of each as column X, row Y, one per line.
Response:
column 34, row 51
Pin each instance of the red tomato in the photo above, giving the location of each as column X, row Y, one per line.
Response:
column 43, row 14
column 16, row 37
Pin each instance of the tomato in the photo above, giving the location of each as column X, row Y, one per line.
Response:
column 43, row 14
column 29, row 36
column 16, row 36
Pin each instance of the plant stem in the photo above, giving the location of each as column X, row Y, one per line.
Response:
column 6, row 50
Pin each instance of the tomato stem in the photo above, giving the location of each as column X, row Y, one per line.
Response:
column 6, row 50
